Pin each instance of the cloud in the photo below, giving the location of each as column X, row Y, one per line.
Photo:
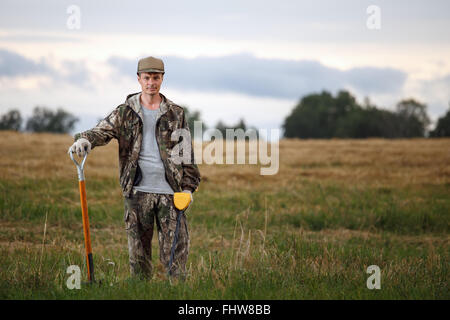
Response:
column 74, row 72
column 436, row 93
column 288, row 20
column 13, row 64
column 277, row 78
column 21, row 37
column 376, row 80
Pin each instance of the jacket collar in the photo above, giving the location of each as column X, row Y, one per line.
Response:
column 134, row 101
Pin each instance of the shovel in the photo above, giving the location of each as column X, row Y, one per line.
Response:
column 84, row 212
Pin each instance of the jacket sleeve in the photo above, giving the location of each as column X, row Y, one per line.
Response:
column 191, row 174
column 104, row 131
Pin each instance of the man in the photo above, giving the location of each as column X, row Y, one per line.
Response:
column 149, row 175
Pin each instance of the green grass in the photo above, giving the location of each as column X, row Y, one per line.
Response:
column 309, row 241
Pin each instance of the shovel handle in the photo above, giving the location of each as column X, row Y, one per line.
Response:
column 86, row 231
column 84, row 212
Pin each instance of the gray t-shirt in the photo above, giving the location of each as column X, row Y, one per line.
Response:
column 152, row 167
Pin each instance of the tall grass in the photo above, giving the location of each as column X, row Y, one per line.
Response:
column 309, row 232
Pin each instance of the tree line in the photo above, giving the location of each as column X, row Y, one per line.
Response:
column 220, row 126
column 317, row 115
column 42, row 120
column 323, row 115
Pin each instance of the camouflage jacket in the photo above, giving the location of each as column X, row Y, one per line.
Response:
column 125, row 123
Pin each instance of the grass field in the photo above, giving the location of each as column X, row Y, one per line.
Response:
column 308, row 232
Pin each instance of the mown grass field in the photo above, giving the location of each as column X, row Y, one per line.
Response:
column 309, row 232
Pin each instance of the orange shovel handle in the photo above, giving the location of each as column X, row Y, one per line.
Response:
column 87, row 234
column 84, row 212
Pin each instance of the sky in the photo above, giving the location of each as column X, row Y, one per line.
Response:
column 229, row 60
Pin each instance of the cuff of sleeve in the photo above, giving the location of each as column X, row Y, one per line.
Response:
column 186, row 188
column 77, row 136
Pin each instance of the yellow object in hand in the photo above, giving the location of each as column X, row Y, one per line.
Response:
column 181, row 200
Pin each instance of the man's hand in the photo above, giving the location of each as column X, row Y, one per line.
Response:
column 81, row 147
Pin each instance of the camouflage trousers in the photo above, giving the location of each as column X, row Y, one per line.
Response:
column 141, row 211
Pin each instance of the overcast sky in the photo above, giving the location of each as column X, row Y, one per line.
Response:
column 229, row 60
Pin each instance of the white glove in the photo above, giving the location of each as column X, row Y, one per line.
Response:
column 80, row 147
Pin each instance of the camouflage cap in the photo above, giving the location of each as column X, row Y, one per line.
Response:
column 150, row 64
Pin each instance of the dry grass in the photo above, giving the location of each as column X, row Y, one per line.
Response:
column 371, row 161
column 230, row 233
column 377, row 162
column 45, row 155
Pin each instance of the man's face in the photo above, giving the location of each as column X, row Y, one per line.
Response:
column 150, row 82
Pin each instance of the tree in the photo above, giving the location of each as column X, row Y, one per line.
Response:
column 443, row 126
column 367, row 123
column 222, row 127
column 241, row 125
column 46, row 120
column 191, row 117
column 415, row 121
column 318, row 115
column 12, row 120
column 324, row 116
